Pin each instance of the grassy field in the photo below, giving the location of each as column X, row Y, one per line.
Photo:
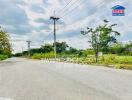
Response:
column 121, row 62
column 115, row 61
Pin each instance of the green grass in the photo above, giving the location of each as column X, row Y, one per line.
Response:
column 43, row 55
column 119, row 62
column 115, row 59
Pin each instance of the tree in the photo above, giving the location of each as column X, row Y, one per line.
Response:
column 117, row 48
column 72, row 50
column 128, row 49
column 61, row 47
column 5, row 46
column 46, row 48
column 107, row 36
column 101, row 37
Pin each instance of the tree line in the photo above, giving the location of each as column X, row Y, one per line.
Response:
column 63, row 48
column 102, row 38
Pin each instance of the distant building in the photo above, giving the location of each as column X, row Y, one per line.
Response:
column 118, row 10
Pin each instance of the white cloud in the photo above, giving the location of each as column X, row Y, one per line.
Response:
column 85, row 13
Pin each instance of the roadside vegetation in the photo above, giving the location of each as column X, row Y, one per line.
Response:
column 3, row 57
column 105, row 49
column 119, row 57
column 5, row 46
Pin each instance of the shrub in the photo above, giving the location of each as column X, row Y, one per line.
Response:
column 114, row 59
column 43, row 55
column 108, row 59
column 124, row 59
column 123, row 66
column 3, row 57
column 37, row 56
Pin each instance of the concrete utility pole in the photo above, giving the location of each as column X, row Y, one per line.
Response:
column 29, row 43
column 22, row 50
column 54, row 19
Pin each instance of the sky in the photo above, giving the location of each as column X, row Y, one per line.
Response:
column 30, row 20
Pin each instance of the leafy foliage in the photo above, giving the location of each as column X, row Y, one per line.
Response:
column 121, row 49
column 3, row 57
column 46, row 48
column 101, row 37
column 5, row 46
column 61, row 47
column 43, row 55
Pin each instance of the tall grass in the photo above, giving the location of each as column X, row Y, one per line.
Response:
column 115, row 59
column 120, row 62
column 43, row 55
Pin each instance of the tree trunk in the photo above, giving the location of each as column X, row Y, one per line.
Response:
column 96, row 53
column 96, row 56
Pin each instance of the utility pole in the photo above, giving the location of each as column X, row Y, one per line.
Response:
column 22, row 50
column 29, row 43
column 54, row 19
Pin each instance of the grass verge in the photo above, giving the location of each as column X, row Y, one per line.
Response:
column 114, row 61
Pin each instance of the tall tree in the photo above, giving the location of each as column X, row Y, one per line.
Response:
column 101, row 37
column 61, row 46
column 47, row 48
column 5, row 46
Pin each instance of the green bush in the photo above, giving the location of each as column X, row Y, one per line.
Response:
column 37, row 56
column 115, row 59
column 86, row 53
column 124, row 59
column 43, row 55
column 3, row 57
column 108, row 59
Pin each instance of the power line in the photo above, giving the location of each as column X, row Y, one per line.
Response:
column 77, row 7
column 85, row 3
column 63, row 10
column 17, row 40
column 91, row 9
column 65, row 6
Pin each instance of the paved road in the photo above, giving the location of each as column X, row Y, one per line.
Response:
column 22, row 79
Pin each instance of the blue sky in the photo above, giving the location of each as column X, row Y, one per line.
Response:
column 29, row 20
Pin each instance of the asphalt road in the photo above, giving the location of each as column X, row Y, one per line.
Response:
column 22, row 79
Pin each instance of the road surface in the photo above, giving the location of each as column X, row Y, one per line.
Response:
column 22, row 79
